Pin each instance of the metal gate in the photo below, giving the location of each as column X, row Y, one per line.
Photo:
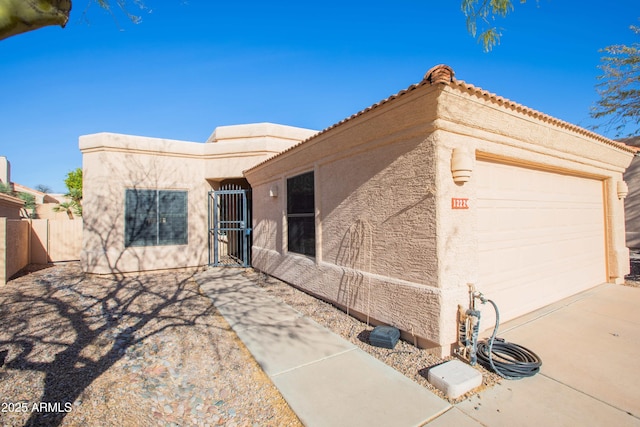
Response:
column 230, row 226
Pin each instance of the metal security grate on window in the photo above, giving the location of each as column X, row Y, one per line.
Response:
column 155, row 217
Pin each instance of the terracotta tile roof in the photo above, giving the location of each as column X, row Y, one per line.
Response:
column 443, row 74
column 632, row 142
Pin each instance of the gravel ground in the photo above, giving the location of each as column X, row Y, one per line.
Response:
column 405, row 357
column 149, row 350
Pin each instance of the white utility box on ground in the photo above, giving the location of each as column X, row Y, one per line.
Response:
column 454, row 378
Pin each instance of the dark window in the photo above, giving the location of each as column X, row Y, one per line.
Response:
column 301, row 214
column 155, row 217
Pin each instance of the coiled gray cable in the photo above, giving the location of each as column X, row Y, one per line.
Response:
column 510, row 361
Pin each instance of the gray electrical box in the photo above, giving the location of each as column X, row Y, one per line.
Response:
column 384, row 336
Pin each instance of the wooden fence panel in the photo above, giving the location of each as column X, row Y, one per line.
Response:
column 14, row 247
column 54, row 240
column 38, row 241
column 65, row 240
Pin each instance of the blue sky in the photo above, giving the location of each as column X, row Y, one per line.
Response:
column 190, row 66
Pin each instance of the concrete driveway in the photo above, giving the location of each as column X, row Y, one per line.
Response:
column 590, row 349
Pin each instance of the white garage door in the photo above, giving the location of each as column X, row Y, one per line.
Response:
column 541, row 236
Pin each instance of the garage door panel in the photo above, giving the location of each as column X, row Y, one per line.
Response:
column 541, row 236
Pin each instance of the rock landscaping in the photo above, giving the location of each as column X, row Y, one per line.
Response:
column 145, row 350
column 151, row 350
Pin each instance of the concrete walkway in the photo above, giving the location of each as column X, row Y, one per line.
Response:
column 589, row 345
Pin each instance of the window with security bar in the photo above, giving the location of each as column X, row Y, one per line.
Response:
column 301, row 225
column 155, row 217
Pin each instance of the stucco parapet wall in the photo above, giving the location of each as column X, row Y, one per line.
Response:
column 260, row 131
column 247, row 142
column 138, row 144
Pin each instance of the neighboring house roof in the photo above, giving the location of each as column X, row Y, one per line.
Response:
column 444, row 74
column 39, row 195
column 7, row 200
column 633, row 141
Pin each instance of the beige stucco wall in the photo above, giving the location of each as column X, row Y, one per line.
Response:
column 375, row 216
column 107, row 174
column 490, row 129
column 113, row 163
column 389, row 246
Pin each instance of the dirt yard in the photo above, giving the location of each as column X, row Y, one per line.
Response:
column 148, row 350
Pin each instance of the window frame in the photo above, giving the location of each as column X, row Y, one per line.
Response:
column 155, row 216
column 294, row 215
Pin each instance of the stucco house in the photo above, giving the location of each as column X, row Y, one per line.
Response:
column 389, row 214
column 145, row 200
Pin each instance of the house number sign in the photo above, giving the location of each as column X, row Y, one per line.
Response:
column 459, row 203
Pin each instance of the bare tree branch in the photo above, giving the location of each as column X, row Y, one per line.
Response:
column 619, row 88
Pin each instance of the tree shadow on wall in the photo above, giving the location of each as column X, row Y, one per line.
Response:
column 354, row 256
